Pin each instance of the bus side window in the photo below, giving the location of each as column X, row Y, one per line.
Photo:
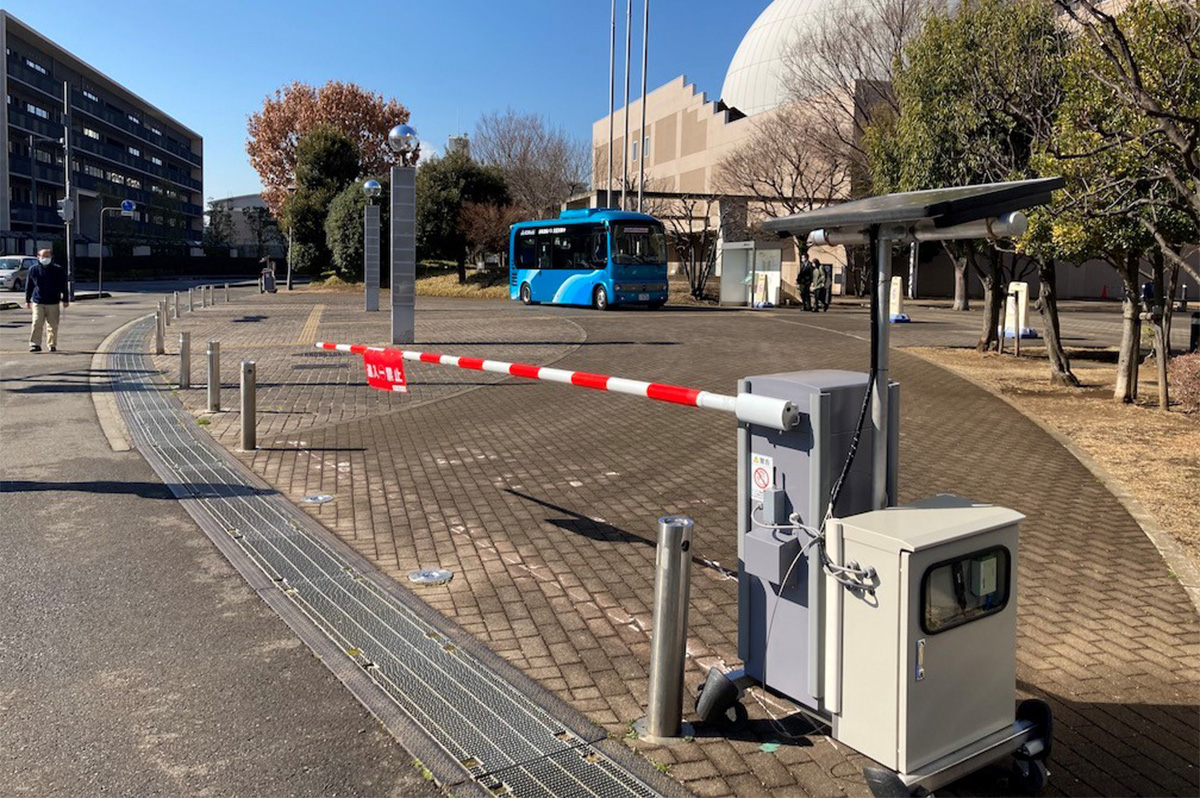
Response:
column 526, row 250
column 599, row 248
column 545, row 245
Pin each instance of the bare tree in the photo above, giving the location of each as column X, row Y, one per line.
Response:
column 782, row 167
column 692, row 233
column 841, row 69
column 542, row 165
column 485, row 226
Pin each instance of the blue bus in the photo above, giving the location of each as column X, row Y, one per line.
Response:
column 598, row 256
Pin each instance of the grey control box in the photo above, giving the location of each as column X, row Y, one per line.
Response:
column 791, row 474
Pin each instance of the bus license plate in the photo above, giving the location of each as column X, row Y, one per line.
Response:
column 643, row 297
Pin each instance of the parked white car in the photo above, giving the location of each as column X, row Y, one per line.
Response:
column 14, row 271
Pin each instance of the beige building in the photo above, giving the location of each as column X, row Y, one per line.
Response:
column 687, row 136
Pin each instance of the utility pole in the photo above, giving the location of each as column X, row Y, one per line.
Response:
column 625, row 155
column 642, row 132
column 69, row 185
column 612, row 80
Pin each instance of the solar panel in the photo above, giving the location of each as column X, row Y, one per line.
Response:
column 942, row 206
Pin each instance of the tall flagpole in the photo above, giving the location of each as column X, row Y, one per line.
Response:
column 628, row 150
column 612, row 81
column 642, row 134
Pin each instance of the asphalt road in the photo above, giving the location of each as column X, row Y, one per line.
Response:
column 133, row 658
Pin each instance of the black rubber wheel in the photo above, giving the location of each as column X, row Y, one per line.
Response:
column 1037, row 712
column 600, row 298
column 1029, row 776
column 526, row 295
column 884, row 783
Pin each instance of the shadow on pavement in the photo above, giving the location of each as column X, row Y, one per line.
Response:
column 146, row 490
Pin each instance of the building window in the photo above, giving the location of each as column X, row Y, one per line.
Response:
column 116, row 177
column 134, row 119
column 91, row 134
column 91, row 96
column 646, row 147
column 134, row 151
column 154, row 159
column 633, row 156
column 155, row 130
column 36, row 111
column 35, row 66
column 133, row 182
column 156, row 189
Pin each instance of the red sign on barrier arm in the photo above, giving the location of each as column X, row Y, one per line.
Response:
column 385, row 369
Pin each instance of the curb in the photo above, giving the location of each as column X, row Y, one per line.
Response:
column 112, row 423
column 1185, row 570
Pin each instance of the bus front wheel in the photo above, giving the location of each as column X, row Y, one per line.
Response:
column 526, row 295
column 600, row 298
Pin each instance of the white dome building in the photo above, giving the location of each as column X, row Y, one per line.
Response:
column 755, row 80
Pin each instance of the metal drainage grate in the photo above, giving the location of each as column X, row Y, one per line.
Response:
column 493, row 731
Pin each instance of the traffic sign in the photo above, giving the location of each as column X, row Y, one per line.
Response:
column 127, row 205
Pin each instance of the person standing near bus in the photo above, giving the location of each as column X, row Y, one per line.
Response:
column 805, row 278
column 45, row 289
column 827, row 268
column 818, row 287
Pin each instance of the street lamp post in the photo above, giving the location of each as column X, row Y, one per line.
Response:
column 291, row 224
column 372, row 190
column 125, row 209
column 404, row 142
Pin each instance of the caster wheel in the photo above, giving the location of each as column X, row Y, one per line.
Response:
column 1030, row 776
column 1037, row 712
column 885, row 784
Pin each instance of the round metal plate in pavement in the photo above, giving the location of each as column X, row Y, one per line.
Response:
column 317, row 498
column 431, row 576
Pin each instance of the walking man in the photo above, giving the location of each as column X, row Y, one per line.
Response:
column 806, row 281
column 45, row 289
column 818, row 286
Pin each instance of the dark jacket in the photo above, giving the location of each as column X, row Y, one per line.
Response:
column 46, row 285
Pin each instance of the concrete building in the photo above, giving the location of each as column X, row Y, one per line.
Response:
column 688, row 135
column 122, row 147
column 255, row 231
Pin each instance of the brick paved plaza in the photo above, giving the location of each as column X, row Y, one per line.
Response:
column 542, row 500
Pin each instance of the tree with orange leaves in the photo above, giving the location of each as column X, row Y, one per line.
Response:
column 364, row 116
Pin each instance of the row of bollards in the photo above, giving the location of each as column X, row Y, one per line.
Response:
column 213, row 361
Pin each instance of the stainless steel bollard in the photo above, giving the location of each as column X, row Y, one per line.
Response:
column 166, row 310
column 158, row 331
column 249, row 406
column 214, row 376
column 226, row 293
column 191, row 299
column 206, row 296
column 185, row 360
column 672, row 585
column 176, row 304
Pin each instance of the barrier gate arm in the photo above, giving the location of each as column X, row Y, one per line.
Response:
column 778, row 414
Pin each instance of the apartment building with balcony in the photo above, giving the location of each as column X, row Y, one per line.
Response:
column 122, row 148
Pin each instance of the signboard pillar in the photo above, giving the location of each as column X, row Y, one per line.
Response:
column 371, row 257
column 404, row 253
column 896, row 301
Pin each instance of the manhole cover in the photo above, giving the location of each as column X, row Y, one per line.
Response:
column 317, row 498
column 431, row 576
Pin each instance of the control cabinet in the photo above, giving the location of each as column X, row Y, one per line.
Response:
column 781, row 474
column 925, row 662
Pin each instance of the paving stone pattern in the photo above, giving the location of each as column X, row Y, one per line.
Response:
column 543, row 499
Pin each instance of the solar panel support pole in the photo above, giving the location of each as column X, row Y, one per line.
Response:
column 879, row 390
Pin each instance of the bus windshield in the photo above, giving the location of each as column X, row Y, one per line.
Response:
column 638, row 244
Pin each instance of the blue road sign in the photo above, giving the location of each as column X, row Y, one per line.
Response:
column 127, row 205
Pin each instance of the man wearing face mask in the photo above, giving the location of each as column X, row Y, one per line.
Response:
column 45, row 289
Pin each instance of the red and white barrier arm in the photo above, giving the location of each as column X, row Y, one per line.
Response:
column 777, row 414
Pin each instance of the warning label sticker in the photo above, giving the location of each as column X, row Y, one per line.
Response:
column 762, row 475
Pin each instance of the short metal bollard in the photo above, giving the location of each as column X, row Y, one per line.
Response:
column 185, row 360
column 668, row 643
column 191, row 299
column 176, row 304
column 226, row 293
column 205, row 296
column 166, row 306
column 214, row 377
column 158, row 331
column 249, row 406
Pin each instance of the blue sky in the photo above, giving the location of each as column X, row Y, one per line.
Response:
column 211, row 64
